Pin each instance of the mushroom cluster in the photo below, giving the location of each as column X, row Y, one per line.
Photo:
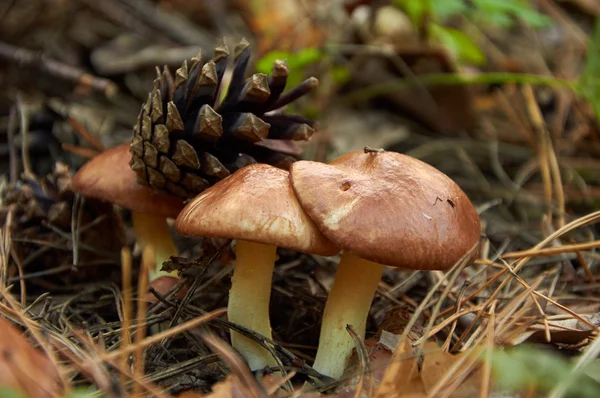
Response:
column 257, row 207
column 379, row 208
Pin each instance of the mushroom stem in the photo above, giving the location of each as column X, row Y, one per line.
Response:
column 249, row 299
column 151, row 230
column 349, row 301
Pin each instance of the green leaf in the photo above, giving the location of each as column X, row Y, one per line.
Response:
column 501, row 13
column 265, row 64
column 458, row 43
column 415, row 9
column 305, row 57
column 443, row 9
column 524, row 367
column 589, row 84
column 296, row 61
column 340, row 74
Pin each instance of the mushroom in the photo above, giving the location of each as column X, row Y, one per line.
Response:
column 256, row 206
column 109, row 177
column 380, row 208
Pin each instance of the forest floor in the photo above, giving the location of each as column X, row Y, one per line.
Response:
column 502, row 99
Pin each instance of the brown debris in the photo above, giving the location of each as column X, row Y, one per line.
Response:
column 23, row 368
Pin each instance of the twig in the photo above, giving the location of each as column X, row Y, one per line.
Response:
column 127, row 307
column 182, row 367
column 487, row 363
column 79, row 151
column 9, row 252
column 446, row 345
column 181, row 31
column 5, row 249
column 548, row 161
column 364, row 364
column 389, row 377
column 14, row 161
column 76, row 216
column 85, row 134
column 551, row 251
column 28, row 58
column 116, row 11
column 148, row 341
column 266, row 343
column 90, row 363
column 140, row 329
column 237, row 365
column 24, row 122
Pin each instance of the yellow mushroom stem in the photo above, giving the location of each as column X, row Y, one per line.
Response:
column 155, row 240
column 249, row 299
column 349, row 301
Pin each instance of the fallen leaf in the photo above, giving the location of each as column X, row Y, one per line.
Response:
column 283, row 24
column 22, row 367
column 401, row 378
column 566, row 331
column 436, row 365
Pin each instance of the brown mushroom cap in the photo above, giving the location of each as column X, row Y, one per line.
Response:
column 388, row 208
column 109, row 177
column 257, row 204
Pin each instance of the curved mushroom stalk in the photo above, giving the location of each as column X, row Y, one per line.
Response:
column 249, row 299
column 349, row 301
column 151, row 230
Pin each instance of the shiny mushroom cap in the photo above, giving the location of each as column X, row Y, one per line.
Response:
column 256, row 204
column 109, row 177
column 388, row 208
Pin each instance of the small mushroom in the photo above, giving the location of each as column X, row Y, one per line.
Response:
column 256, row 206
column 109, row 177
column 372, row 206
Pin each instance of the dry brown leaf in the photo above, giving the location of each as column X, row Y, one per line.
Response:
column 284, row 25
column 391, row 378
column 401, row 378
column 566, row 331
column 436, row 365
column 380, row 356
column 381, row 349
column 22, row 367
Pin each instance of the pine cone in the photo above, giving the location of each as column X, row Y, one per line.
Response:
column 43, row 214
column 49, row 199
column 182, row 145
